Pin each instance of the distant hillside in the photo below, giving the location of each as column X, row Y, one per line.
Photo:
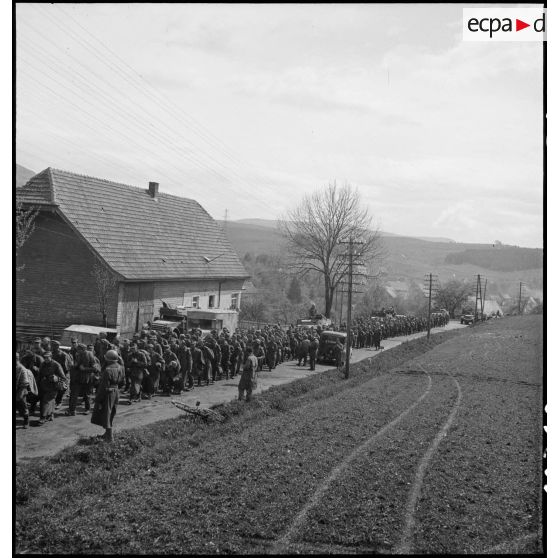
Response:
column 23, row 175
column 408, row 258
column 272, row 224
column 256, row 239
column 504, row 258
column 269, row 223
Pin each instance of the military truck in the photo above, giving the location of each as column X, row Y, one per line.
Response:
column 314, row 321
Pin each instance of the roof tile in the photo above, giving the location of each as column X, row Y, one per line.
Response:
column 139, row 237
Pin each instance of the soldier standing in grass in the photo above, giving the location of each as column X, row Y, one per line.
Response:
column 106, row 399
column 248, row 379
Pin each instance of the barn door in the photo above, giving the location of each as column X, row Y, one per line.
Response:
column 137, row 306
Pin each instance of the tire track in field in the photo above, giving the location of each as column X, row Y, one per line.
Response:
column 301, row 517
column 404, row 546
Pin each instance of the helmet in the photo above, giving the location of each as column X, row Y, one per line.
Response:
column 111, row 356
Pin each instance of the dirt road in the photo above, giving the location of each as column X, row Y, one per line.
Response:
column 65, row 431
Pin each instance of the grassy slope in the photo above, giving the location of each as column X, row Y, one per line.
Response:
column 183, row 487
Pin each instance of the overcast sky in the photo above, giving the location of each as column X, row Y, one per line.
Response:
column 248, row 108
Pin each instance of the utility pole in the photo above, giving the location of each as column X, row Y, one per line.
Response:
column 349, row 309
column 519, row 306
column 429, row 285
column 341, row 311
column 351, row 263
column 477, row 298
column 429, row 303
column 483, row 297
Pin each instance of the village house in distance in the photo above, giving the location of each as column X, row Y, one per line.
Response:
column 159, row 247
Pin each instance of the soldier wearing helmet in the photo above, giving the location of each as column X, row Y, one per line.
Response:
column 81, row 378
column 106, row 399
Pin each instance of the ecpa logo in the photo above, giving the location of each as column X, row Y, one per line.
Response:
column 504, row 24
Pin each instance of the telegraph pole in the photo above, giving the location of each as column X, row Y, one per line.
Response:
column 429, row 303
column 477, row 298
column 351, row 256
column 519, row 304
column 483, row 297
column 429, row 280
column 349, row 309
column 341, row 311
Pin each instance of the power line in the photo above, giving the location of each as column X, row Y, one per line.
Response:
column 135, row 120
column 115, row 130
column 118, row 71
column 191, row 119
column 151, row 133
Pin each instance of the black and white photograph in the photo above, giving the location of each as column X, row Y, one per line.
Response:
column 279, row 278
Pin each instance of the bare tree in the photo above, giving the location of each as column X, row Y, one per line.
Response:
column 105, row 282
column 254, row 310
column 314, row 229
column 25, row 225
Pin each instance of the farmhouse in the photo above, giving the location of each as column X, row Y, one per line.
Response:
column 158, row 247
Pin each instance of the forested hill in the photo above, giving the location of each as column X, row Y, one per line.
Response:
column 505, row 258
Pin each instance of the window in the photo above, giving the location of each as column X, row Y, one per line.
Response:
column 234, row 301
column 211, row 303
column 195, row 302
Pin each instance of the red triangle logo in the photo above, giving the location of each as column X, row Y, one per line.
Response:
column 519, row 25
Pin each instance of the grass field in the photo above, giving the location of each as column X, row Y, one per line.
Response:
column 430, row 447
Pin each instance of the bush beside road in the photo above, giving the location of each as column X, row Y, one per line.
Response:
column 182, row 487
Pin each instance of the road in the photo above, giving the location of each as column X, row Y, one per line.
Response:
column 64, row 431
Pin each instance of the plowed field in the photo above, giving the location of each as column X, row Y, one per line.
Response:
column 428, row 448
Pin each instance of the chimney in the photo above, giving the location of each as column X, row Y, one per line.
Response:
column 153, row 189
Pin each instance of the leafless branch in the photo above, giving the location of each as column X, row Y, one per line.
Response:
column 314, row 229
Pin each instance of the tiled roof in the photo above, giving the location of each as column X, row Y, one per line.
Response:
column 139, row 237
column 38, row 190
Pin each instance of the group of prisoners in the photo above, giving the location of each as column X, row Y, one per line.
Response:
column 164, row 363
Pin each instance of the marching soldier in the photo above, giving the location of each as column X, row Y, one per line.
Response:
column 50, row 375
column 66, row 362
column 248, row 379
column 106, row 398
column 313, row 352
column 24, row 385
column 81, row 379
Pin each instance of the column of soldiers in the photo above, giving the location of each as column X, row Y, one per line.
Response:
column 367, row 332
column 163, row 364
